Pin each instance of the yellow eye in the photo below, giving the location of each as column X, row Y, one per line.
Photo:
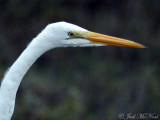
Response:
column 70, row 34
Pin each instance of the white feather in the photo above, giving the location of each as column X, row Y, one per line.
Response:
column 54, row 35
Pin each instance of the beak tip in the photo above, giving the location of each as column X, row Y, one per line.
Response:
column 144, row 46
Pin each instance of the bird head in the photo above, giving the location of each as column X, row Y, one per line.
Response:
column 63, row 34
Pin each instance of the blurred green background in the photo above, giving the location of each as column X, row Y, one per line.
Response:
column 85, row 83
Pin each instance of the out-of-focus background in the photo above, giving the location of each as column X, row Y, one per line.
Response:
column 85, row 83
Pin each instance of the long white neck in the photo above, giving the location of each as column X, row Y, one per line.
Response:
column 13, row 78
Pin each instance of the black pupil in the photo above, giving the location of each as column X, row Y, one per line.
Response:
column 70, row 34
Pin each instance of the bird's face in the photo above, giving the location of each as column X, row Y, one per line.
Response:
column 68, row 35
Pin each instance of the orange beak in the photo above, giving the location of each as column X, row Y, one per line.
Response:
column 109, row 40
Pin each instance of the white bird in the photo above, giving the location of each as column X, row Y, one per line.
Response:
column 60, row 34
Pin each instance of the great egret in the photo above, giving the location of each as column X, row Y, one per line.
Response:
column 59, row 34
